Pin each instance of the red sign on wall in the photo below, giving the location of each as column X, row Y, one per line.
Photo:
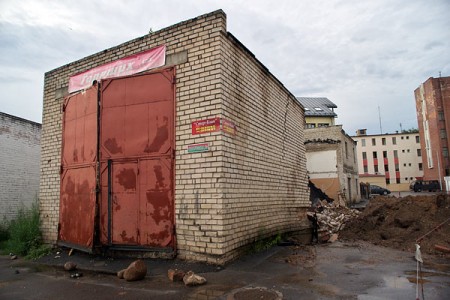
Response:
column 228, row 127
column 146, row 60
column 204, row 126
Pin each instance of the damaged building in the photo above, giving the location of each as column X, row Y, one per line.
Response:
column 198, row 154
column 330, row 153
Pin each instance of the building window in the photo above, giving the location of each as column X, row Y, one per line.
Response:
column 417, row 139
column 402, row 138
column 407, row 137
column 366, row 170
column 394, row 140
column 420, row 167
column 409, row 165
column 383, row 141
column 440, row 115
column 374, row 154
column 403, row 151
column 310, row 125
column 404, row 165
column 397, row 180
column 395, row 154
column 406, row 178
column 323, row 124
column 445, row 152
column 408, row 151
column 364, row 154
column 443, row 133
column 386, row 168
column 387, row 180
column 397, row 167
column 384, row 154
column 375, row 168
column 363, row 142
column 374, row 143
column 419, row 152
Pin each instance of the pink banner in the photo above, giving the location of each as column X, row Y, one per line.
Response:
column 129, row 65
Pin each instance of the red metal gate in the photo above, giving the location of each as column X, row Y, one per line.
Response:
column 78, row 170
column 136, row 160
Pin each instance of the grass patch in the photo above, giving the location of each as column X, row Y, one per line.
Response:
column 264, row 244
column 22, row 236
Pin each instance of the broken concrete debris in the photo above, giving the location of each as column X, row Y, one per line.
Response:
column 175, row 275
column 192, row 279
column 332, row 219
column 135, row 271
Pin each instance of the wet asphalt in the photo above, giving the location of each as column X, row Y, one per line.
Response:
column 329, row 271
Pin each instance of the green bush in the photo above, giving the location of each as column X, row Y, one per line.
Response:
column 23, row 233
column 4, row 234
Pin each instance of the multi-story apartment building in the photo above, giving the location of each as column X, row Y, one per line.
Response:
column 433, row 116
column 397, row 157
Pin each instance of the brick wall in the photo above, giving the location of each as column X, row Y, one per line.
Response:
column 433, row 107
column 265, row 184
column 19, row 170
column 209, row 186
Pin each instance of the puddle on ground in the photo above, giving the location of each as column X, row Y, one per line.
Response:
column 209, row 292
column 397, row 282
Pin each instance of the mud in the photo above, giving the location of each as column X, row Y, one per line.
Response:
column 399, row 222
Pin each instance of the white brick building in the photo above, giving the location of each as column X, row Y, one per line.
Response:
column 240, row 187
column 19, row 167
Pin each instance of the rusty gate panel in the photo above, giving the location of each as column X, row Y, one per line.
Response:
column 139, row 122
column 156, row 205
column 124, row 204
column 136, row 152
column 78, row 170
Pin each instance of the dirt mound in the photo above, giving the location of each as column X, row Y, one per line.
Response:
column 399, row 222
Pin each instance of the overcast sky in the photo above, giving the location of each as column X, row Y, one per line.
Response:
column 362, row 55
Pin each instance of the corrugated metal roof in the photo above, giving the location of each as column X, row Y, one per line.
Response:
column 318, row 106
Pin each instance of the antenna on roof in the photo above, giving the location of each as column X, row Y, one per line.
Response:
column 379, row 117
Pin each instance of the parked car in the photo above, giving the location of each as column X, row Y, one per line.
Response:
column 425, row 185
column 375, row 189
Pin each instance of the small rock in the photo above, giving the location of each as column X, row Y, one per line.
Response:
column 191, row 279
column 333, row 238
column 13, row 257
column 69, row 266
column 135, row 271
column 175, row 275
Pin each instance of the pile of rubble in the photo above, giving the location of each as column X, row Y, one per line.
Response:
column 332, row 219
